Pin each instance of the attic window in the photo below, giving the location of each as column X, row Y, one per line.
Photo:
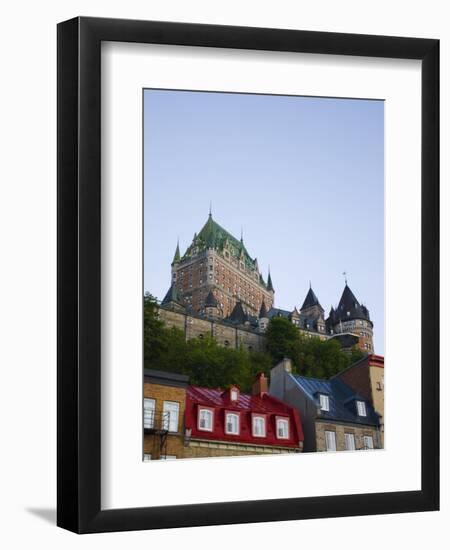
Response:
column 361, row 408
column 282, row 428
column 234, row 394
column 348, row 313
column 324, row 402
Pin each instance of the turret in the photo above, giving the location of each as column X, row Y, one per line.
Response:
column 212, row 309
column 312, row 309
column 353, row 317
column 263, row 319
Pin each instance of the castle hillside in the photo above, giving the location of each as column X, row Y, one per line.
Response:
column 218, row 289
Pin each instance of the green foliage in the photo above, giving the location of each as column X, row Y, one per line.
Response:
column 310, row 356
column 211, row 365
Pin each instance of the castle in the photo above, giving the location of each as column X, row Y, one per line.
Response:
column 218, row 289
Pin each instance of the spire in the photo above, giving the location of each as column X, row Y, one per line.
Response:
column 310, row 300
column 263, row 311
column 177, row 256
column 269, row 282
column 242, row 234
column 210, row 209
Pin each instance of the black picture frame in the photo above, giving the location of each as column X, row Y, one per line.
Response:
column 79, row 274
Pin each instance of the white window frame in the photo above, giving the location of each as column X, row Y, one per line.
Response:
column 233, row 415
column 171, row 424
column 152, row 409
column 330, row 437
column 349, row 437
column 361, row 408
column 324, row 402
column 256, row 417
column 210, row 415
column 366, row 439
column 234, row 394
column 282, row 422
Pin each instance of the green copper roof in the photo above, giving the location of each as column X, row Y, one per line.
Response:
column 177, row 256
column 269, row 282
column 212, row 235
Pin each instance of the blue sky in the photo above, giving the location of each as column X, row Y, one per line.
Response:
column 303, row 176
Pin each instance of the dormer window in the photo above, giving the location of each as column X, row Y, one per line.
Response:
column 361, row 408
column 282, row 428
column 205, row 420
column 259, row 426
column 324, row 402
column 234, row 394
column 232, row 423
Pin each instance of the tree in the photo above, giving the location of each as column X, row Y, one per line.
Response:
column 282, row 338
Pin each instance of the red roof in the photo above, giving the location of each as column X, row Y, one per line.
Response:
column 246, row 406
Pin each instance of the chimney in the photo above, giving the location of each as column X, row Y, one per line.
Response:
column 260, row 385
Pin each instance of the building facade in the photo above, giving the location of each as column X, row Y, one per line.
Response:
column 184, row 421
column 334, row 416
column 164, row 407
column 366, row 377
column 230, row 423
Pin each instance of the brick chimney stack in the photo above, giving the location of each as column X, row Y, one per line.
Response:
column 260, row 385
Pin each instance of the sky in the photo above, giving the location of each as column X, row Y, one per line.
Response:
column 303, row 177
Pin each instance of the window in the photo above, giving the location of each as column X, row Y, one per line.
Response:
column 168, row 457
column 205, row 420
column 361, row 407
column 147, row 457
column 259, row 426
column 330, row 440
column 282, row 428
column 149, row 413
column 171, row 413
column 324, row 402
column 349, row 442
column 368, row 442
column 234, row 395
column 232, row 423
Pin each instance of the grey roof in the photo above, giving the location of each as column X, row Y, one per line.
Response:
column 166, row 378
column 276, row 312
column 349, row 308
column 238, row 314
column 310, row 300
column 341, row 397
column 172, row 295
column 211, row 300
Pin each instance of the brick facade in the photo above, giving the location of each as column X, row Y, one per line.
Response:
column 340, row 430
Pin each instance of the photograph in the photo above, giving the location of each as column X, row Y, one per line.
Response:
column 263, row 274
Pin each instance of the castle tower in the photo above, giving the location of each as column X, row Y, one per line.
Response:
column 353, row 317
column 263, row 319
column 172, row 300
column 216, row 261
column 212, row 310
column 312, row 309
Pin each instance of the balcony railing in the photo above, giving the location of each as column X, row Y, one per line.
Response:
column 156, row 422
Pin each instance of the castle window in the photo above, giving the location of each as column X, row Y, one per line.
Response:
column 361, row 408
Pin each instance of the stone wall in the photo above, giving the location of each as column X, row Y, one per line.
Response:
column 340, row 429
column 226, row 335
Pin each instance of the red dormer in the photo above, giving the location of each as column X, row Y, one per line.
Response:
column 248, row 419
